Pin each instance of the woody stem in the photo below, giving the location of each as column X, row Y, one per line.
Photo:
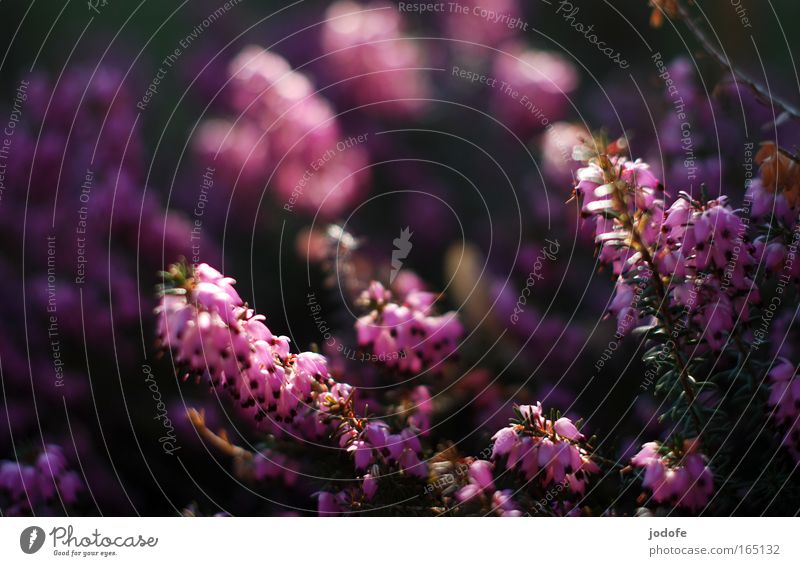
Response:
column 620, row 197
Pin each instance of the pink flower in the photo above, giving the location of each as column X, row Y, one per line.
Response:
column 598, row 200
column 648, row 452
column 480, row 490
column 212, row 334
column 327, row 504
column 546, row 450
column 369, row 486
column 682, row 480
column 477, row 32
column 544, row 81
column 286, row 133
column 565, row 428
column 11, row 478
column 422, row 409
column 784, row 397
column 31, row 488
column 504, row 441
column 406, row 336
column 363, row 454
column 468, row 492
column 69, row 485
column 480, row 473
column 504, row 505
column 268, row 464
column 365, row 46
column 410, row 463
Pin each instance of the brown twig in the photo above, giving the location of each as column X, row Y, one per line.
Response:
column 683, row 370
column 787, row 110
column 219, row 441
column 620, row 197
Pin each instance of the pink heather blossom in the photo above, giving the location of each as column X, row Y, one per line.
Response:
column 374, row 448
column 775, row 248
column 556, row 151
column 480, row 473
column 475, row 31
column 545, row 82
column 370, row 486
column 623, row 307
column 681, row 480
column 593, row 190
column 703, row 247
column 480, row 490
column 240, row 152
column 565, row 428
column 422, row 409
column 375, row 444
column 39, row 487
column 411, row 464
column 708, row 235
column 203, row 321
column 713, row 261
column 272, row 465
column 647, row 206
column 784, row 397
column 366, row 47
column 285, row 134
column 504, row 505
column 546, row 450
column 766, row 204
column 212, row 334
column 774, row 255
column 328, row 504
column 406, row 336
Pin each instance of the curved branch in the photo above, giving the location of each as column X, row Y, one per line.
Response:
column 787, row 110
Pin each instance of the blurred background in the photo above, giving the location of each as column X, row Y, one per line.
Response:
column 134, row 137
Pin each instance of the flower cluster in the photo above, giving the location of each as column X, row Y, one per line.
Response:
column 784, row 397
column 426, row 107
column 712, row 260
column 548, row 450
column 698, row 254
column 480, row 490
column 678, row 477
column 366, row 48
column 37, row 487
column 543, row 81
column 212, row 334
column 79, row 227
column 619, row 194
column 376, row 453
column 272, row 465
column 374, row 447
column 79, row 149
column 403, row 448
column 329, row 503
column 286, row 135
column 768, row 207
column 406, row 336
column 467, row 24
